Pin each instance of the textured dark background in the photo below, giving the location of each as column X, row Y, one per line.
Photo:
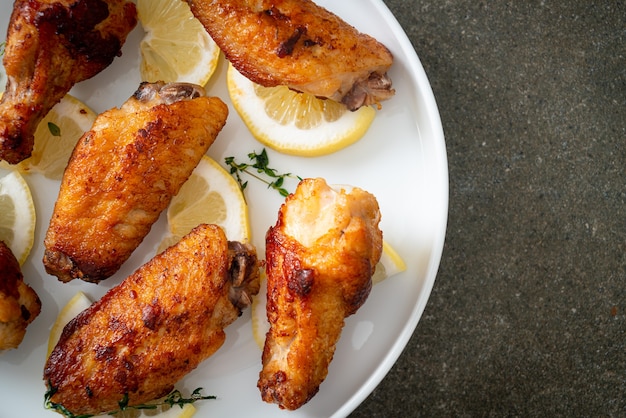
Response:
column 528, row 313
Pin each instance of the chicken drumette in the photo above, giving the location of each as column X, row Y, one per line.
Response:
column 320, row 258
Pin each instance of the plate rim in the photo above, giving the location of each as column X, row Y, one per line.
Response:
column 417, row 70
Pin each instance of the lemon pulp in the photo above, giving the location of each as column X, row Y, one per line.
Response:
column 296, row 123
column 176, row 46
column 209, row 196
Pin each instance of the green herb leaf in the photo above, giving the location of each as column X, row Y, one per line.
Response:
column 259, row 165
column 54, row 129
column 124, row 402
column 48, row 404
column 174, row 398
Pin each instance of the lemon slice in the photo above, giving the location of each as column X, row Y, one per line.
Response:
column 55, row 138
column 211, row 196
column 389, row 265
column 78, row 303
column 260, row 325
column 296, row 123
column 176, row 46
column 17, row 214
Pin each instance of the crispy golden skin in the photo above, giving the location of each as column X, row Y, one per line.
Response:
column 51, row 45
column 123, row 174
column 19, row 304
column 148, row 332
column 320, row 257
column 298, row 44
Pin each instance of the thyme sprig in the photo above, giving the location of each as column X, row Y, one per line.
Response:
column 2, row 46
column 260, row 165
column 174, row 398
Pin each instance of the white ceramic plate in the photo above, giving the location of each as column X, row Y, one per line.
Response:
column 401, row 160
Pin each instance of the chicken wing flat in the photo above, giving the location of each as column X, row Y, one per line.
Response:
column 19, row 304
column 320, row 257
column 50, row 46
column 301, row 45
column 123, row 173
column 148, row 332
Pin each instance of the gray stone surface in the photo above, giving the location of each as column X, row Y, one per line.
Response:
column 528, row 313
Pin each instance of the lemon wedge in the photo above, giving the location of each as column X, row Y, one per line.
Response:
column 210, row 196
column 17, row 214
column 389, row 265
column 176, row 46
column 296, row 123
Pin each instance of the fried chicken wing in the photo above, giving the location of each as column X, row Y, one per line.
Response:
column 145, row 334
column 52, row 45
column 301, row 45
column 123, row 173
column 320, row 257
column 19, row 303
